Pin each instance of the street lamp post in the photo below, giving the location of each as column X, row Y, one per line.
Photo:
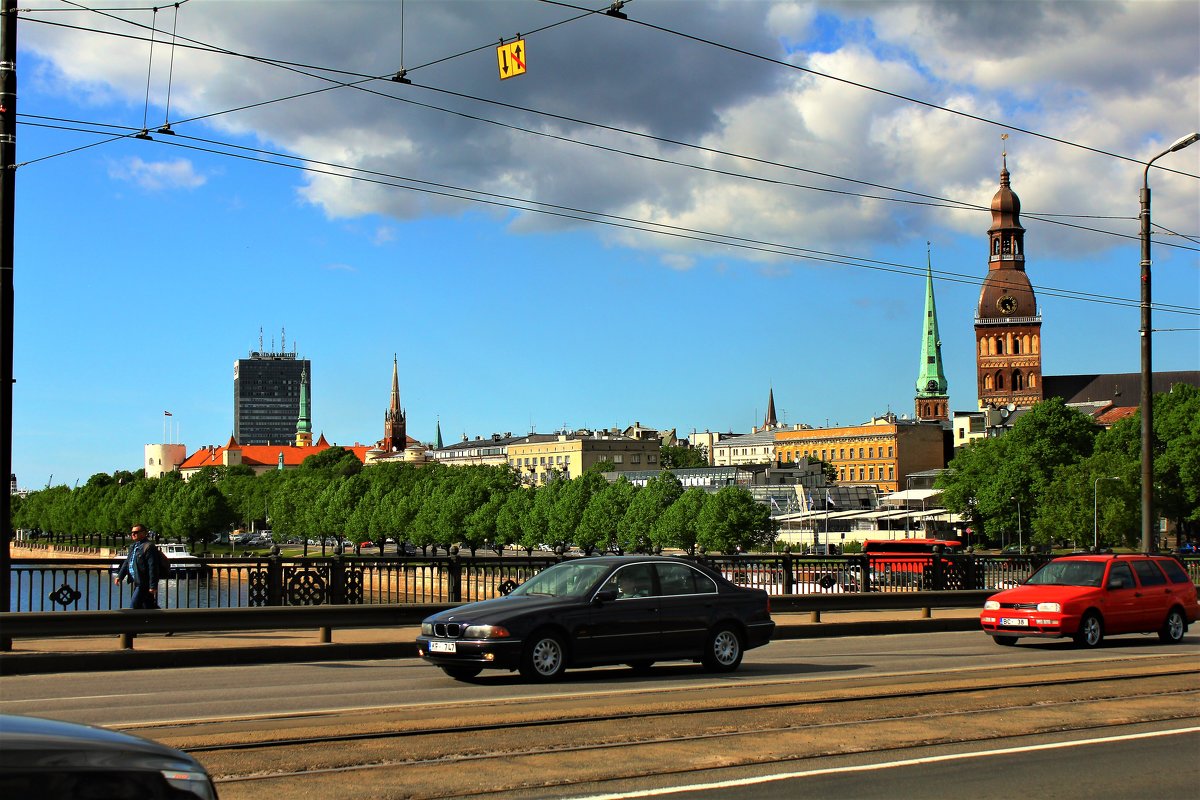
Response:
column 1147, row 395
column 1096, row 511
column 1020, row 538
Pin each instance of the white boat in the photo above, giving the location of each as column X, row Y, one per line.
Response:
column 182, row 561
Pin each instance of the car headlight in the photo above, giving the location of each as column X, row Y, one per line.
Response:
column 486, row 632
column 427, row 629
column 1053, row 608
column 992, row 605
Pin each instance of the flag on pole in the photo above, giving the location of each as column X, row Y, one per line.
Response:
column 166, row 413
column 829, row 500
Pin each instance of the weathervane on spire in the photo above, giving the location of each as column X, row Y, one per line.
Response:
column 1004, row 149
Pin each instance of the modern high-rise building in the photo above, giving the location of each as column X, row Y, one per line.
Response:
column 267, row 390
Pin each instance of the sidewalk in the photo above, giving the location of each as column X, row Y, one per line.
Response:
column 97, row 653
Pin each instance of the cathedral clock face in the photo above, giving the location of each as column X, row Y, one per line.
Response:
column 931, row 386
column 1007, row 304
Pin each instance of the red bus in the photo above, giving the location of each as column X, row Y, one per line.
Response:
column 907, row 563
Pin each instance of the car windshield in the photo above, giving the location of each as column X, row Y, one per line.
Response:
column 1069, row 573
column 563, row 580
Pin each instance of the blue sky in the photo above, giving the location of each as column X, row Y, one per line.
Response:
column 145, row 268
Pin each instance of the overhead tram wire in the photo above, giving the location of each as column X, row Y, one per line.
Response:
column 867, row 87
column 299, row 68
column 583, row 215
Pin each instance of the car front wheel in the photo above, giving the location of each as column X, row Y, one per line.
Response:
column 544, row 659
column 1091, row 631
column 1173, row 629
column 724, row 650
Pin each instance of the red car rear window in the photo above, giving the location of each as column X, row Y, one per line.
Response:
column 1175, row 573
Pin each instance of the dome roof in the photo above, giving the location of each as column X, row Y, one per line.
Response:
column 1006, row 206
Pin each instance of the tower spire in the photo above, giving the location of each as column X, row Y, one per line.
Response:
column 395, row 434
column 304, row 423
column 770, row 421
column 932, row 402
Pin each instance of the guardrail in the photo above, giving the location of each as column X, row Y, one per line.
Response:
column 78, row 584
column 325, row 619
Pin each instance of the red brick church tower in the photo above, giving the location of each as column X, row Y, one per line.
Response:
column 1008, row 327
column 395, row 435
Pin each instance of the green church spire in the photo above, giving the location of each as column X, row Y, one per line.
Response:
column 931, row 378
column 304, row 422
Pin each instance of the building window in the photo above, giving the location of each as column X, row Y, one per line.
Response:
column 889, row 451
column 618, row 458
column 870, row 452
column 860, row 455
column 860, row 473
column 842, row 453
column 871, row 473
column 651, row 458
column 636, row 458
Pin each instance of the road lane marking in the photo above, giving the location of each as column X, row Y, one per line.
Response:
column 783, row 776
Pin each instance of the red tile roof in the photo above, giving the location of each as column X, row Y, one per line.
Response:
column 264, row 455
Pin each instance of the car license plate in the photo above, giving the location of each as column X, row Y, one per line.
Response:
column 443, row 647
column 1014, row 621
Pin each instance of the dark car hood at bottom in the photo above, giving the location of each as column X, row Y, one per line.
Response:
column 35, row 743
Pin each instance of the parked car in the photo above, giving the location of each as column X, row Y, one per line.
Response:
column 1189, row 549
column 1087, row 597
column 49, row 759
column 608, row 610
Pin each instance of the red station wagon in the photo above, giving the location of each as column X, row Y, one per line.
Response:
column 1088, row 596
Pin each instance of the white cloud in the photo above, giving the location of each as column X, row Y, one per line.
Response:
column 157, row 176
column 1075, row 71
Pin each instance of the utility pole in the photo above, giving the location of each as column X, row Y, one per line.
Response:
column 8, row 194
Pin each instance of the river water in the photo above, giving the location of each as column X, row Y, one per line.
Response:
column 75, row 588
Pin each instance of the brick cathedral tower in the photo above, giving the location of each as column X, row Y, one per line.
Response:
column 1008, row 327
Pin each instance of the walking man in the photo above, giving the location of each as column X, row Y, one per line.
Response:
column 141, row 567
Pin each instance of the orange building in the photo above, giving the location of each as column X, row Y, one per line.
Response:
column 879, row 453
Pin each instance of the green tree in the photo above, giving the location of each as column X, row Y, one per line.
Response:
column 333, row 461
column 597, row 529
column 731, row 521
column 633, row 531
column 677, row 527
column 682, row 457
column 513, row 517
column 990, row 481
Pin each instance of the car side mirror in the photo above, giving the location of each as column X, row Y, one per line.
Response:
column 606, row 596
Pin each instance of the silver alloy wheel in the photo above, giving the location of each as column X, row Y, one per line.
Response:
column 547, row 656
column 1174, row 628
column 726, row 647
column 1091, row 631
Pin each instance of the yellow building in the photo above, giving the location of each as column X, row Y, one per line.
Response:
column 878, row 453
column 542, row 456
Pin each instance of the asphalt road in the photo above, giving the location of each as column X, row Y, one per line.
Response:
column 189, row 706
column 271, row 689
column 1130, row 763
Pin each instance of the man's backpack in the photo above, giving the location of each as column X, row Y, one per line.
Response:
column 164, row 563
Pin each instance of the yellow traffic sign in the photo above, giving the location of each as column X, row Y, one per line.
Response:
column 511, row 58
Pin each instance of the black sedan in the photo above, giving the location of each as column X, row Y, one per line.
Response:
column 633, row 610
column 53, row 760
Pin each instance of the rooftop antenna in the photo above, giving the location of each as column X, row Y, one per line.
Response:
column 260, row 347
column 282, row 339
